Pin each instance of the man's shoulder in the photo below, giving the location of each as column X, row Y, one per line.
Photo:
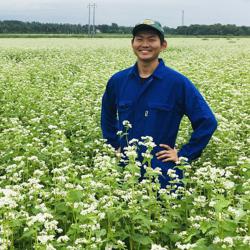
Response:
column 174, row 74
column 178, row 81
column 121, row 74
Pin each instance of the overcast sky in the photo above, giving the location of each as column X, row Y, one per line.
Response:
column 129, row 12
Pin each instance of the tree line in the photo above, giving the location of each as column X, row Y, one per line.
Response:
column 13, row 26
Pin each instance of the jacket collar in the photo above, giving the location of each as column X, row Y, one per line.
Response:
column 157, row 72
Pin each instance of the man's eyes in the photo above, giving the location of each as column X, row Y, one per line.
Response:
column 150, row 39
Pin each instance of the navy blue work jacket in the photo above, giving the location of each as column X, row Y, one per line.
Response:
column 155, row 108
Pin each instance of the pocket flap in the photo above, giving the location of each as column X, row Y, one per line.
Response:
column 160, row 106
column 124, row 105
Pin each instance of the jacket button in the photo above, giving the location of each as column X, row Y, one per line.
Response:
column 146, row 113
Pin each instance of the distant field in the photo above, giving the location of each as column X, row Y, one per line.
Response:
column 99, row 35
column 79, row 42
column 61, row 187
column 104, row 35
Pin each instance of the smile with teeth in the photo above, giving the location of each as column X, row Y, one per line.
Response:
column 142, row 50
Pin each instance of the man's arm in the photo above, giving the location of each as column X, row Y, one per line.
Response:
column 109, row 115
column 202, row 120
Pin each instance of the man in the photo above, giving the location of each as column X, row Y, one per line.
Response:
column 154, row 98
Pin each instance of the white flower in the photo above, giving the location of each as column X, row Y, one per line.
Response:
column 130, row 151
column 52, row 127
column 120, row 243
column 228, row 184
column 172, row 173
column 101, row 216
column 162, row 191
column 229, row 241
column 246, row 240
column 50, row 247
column 119, row 133
column 33, row 158
column 51, row 225
column 45, row 238
column 108, row 247
column 18, row 158
column 216, row 240
column 147, row 155
column 147, row 142
column 127, row 124
column 158, row 170
column 133, row 141
column 196, row 225
column 158, row 247
column 181, row 160
column 76, row 84
column 41, row 218
column 8, row 192
column 212, row 203
column 7, row 202
column 200, row 201
column 185, row 246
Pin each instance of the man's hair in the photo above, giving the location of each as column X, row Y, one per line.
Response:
column 150, row 30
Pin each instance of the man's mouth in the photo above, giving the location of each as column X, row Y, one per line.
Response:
column 144, row 51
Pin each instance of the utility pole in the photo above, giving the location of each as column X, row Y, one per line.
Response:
column 182, row 18
column 91, row 32
column 89, row 6
column 94, row 5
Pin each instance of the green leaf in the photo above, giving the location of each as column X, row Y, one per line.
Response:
column 229, row 225
column 16, row 223
column 28, row 234
column 142, row 220
column 200, row 245
column 214, row 247
column 61, row 207
column 221, row 203
column 102, row 232
column 190, row 235
column 168, row 228
column 75, row 195
column 144, row 240
column 205, row 226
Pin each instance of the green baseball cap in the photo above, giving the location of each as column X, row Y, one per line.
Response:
column 146, row 24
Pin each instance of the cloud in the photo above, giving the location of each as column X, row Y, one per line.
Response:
column 129, row 12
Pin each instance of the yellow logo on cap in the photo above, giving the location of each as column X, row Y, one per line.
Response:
column 148, row 21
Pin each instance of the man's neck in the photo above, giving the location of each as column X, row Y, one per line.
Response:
column 146, row 69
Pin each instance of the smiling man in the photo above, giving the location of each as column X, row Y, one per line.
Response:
column 154, row 98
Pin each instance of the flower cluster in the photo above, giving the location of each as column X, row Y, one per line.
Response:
column 63, row 187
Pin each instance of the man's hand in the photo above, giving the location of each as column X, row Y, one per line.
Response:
column 168, row 154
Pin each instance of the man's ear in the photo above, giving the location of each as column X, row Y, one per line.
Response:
column 164, row 45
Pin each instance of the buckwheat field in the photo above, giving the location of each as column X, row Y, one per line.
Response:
column 61, row 186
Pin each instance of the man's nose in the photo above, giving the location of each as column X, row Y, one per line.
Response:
column 144, row 43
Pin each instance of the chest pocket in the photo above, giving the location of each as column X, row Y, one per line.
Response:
column 158, row 117
column 124, row 111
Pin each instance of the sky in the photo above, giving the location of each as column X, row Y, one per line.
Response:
column 129, row 12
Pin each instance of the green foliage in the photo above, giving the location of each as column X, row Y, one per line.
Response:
column 62, row 187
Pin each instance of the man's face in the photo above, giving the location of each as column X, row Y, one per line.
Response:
column 147, row 46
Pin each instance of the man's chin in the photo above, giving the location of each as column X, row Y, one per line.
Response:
column 147, row 59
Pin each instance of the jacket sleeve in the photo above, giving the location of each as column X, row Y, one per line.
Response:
column 109, row 115
column 202, row 120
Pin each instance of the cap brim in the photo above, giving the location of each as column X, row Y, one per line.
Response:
column 142, row 27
